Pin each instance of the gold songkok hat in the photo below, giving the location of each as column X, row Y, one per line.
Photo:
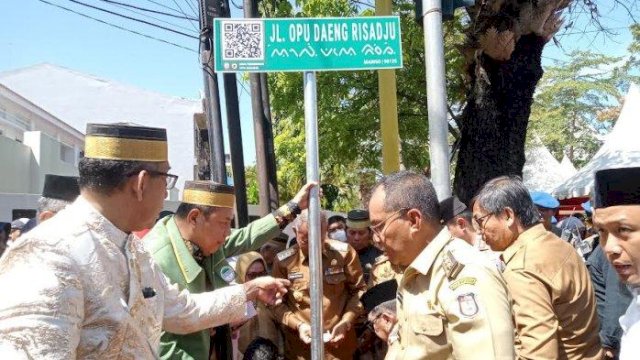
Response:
column 207, row 193
column 127, row 142
column 358, row 219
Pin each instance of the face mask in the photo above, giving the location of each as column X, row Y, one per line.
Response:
column 339, row 235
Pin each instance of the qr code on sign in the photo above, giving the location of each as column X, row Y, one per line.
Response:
column 242, row 40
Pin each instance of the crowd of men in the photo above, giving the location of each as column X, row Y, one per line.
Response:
column 99, row 274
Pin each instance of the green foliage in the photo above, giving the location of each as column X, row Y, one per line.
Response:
column 633, row 63
column 348, row 108
column 576, row 103
column 251, row 178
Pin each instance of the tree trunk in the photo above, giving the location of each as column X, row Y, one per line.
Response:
column 494, row 121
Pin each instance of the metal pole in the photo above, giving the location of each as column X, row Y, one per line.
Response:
column 315, row 243
column 217, row 167
column 235, row 146
column 235, row 139
column 272, row 171
column 388, row 108
column 436, row 97
column 258, row 127
column 214, row 120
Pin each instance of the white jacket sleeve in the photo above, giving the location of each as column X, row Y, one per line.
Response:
column 185, row 312
column 41, row 303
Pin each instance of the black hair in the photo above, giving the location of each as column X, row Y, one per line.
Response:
column 410, row 190
column 185, row 208
column 335, row 219
column 508, row 191
column 261, row 349
column 467, row 215
column 105, row 176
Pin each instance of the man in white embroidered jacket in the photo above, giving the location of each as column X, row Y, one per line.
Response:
column 82, row 286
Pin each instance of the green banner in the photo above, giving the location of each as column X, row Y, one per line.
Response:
column 307, row 44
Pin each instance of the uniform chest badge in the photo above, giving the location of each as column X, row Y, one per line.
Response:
column 333, row 271
column 227, row 274
column 282, row 255
column 468, row 305
column 294, row 276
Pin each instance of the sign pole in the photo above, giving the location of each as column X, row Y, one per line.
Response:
column 315, row 243
column 218, row 171
column 387, row 93
column 436, row 97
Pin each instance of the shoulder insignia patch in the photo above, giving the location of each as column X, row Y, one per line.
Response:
column 451, row 265
column 285, row 254
column 463, row 281
column 339, row 246
column 468, row 305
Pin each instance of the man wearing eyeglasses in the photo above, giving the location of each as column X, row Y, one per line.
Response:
column 192, row 246
column 452, row 303
column 554, row 307
column 83, row 286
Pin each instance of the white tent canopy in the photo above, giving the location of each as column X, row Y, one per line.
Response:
column 567, row 166
column 621, row 148
column 541, row 171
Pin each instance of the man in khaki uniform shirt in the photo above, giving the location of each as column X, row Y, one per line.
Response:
column 452, row 303
column 554, row 306
column 342, row 287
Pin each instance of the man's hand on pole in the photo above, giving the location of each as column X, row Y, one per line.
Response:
column 302, row 197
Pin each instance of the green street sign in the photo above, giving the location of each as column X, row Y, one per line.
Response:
column 307, row 44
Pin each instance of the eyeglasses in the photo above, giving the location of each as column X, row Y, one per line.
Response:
column 170, row 178
column 379, row 229
column 372, row 322
column 479, row 223
column 254, row 275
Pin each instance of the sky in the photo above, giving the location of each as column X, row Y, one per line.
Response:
column 32, row 32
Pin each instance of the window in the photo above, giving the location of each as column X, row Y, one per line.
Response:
column 67, row 154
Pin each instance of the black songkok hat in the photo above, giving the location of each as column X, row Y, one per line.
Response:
column 617, row 187
column 208, row 193
column 450, row 208
column 61, row 187
column 126, row 142
column 378, row 294
column 358, row 219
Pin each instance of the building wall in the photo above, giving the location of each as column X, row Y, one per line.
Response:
column 18, row 115
column 49, row 157
column 17, row 164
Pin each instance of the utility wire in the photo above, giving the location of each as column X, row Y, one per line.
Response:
column 118, row 26
column 150, row 10
column 134, row 19
column 185, row 14
column 149, row 16
column 191, row 7
column 164, row 6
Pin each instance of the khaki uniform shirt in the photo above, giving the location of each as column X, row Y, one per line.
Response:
column 452, row 304
column 554, row 305
column 342, row 287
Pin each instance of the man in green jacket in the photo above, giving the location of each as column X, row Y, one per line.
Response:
column 191, row 247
